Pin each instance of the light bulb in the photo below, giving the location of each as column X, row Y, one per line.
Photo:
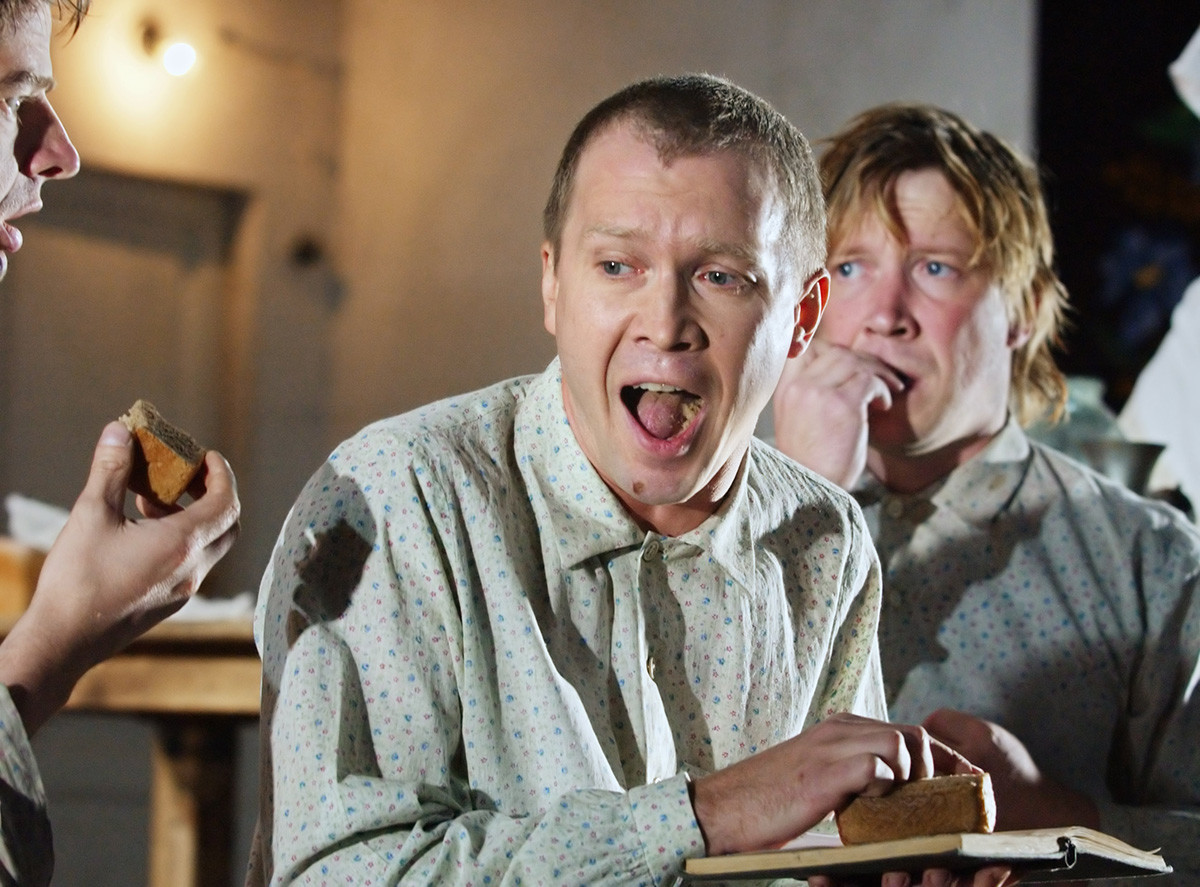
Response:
column 178, row 58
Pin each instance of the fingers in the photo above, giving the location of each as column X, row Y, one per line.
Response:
column 905, row 750
column 948, row 760
column 840, row 367
column 970, row 737
column 991, row 876
column 111, row 464
column 215, row 510
column 995, row 876
column 953, row 727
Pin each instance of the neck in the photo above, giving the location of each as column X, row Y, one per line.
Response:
column 905, row 471
column 668, row 520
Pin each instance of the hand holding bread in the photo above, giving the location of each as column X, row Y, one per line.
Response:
column 108, row 579
column 770, row 797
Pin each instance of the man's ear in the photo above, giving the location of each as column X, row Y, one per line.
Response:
column 808, row 311
column 549, row 288
column 1019, row 332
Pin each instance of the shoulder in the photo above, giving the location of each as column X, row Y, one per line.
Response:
column 790, row 495
column 1094, row 497
column 785, row 480
column 455, row 428
column 416, row 458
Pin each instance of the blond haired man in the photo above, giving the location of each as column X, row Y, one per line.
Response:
column 1040, row 619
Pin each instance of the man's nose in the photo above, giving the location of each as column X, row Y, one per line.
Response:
column 667, row 314
column 43, row 148
column 889, row 310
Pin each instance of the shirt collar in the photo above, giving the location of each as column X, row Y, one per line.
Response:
column 573, row 494
column 978, row 490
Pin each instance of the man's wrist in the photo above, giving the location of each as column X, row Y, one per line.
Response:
column 39, row 678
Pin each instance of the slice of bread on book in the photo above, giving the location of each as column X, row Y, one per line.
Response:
column 939, row 805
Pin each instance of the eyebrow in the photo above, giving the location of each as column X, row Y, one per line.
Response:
column 717, row 247
column 27, row 80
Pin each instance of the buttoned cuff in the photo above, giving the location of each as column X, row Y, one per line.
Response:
column 666, row 826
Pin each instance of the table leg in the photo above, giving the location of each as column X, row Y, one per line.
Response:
column 191, row 803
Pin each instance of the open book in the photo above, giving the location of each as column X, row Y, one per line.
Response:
column 1073, row 853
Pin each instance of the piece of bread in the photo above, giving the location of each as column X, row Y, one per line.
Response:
column 165, row 458
column 936, row 806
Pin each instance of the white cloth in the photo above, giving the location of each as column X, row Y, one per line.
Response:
column 1164, row 406
column 1185, row 72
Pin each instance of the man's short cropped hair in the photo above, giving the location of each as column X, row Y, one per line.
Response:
column 1001, row 198
column 697, row 114
column 69, row 12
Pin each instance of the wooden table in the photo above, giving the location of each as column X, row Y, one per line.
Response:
column 197, row 681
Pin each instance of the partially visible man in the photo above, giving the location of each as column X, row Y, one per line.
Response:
column 1040, row 619
column 579, row 626
column 106, row 579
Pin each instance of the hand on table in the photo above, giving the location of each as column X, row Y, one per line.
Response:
column 821, row 408
column 108, row 579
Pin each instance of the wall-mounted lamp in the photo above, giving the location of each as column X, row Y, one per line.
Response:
column 177, row 57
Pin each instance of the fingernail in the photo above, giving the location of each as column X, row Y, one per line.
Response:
column 114, row 435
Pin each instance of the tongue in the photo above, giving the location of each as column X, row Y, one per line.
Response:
column 664, row 414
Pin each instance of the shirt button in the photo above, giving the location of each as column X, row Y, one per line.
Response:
column 894, row 508
column 653, row 547
column 651, row 665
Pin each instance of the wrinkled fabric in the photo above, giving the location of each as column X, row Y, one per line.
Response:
column 26, row 849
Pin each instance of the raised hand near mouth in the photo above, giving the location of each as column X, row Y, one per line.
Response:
column 821, row 408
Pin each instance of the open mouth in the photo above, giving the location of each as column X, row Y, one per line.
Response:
column 663, row 410
column 906, row 379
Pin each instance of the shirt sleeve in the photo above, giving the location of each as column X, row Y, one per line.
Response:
column 344, row 806
column 26, row 850
column 1154, row 771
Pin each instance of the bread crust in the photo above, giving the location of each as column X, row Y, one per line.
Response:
column 935, row 806
column 165, row 458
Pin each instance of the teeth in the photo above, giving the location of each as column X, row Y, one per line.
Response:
column 659, row 386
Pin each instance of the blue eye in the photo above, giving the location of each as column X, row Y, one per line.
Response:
column 613, row 268
column 720, row 278
column 936, row 268
column 844, row 269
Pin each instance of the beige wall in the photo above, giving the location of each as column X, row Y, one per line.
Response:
column 455, row 111
column 257, row 116
column 415, row 140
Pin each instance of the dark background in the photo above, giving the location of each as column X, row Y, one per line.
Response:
column 1120, row 155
